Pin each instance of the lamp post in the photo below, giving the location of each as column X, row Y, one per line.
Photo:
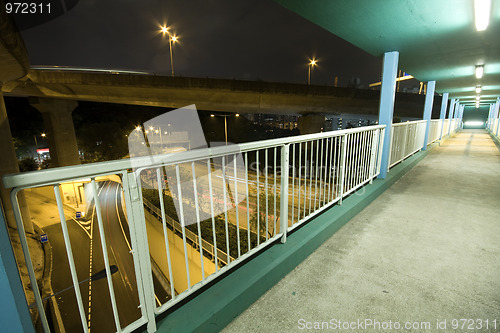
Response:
column 36, row 146
column 312, row 63
column 225, row 122
column 171, row 38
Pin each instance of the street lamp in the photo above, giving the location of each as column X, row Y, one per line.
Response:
column 225, row 122
column 312, row 63
column 36, row 145
column 171, row 38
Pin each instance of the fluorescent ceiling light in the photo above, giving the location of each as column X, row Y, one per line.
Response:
column 478, row 98
column 482, row 14
column 478, row 89
column 474, row 123
column 479, row 71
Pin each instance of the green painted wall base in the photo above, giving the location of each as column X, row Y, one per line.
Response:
column 217, row 306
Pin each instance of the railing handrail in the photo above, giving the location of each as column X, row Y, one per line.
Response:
column 408, row 122
column 61, row 174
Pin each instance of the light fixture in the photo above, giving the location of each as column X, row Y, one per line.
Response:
column 478, row 89
column 482, row 14
column 479, row 71
column 212, row 115
column 237, row 115
column 478, row 97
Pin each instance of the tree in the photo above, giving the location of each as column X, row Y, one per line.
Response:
column 28, row 164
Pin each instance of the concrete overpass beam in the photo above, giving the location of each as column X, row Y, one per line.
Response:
column 9, row 164
column 311, row 123
column 58, row 123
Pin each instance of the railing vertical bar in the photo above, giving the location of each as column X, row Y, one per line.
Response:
column 267, row 193
column 257, row 153
column 165, row 233
column 293, row 181
column 320, row 172
column 333, row 167
column 306, row 165
column 311, row 175
column 197, row 211
column 183, row 223
column 71, row 261
column 275, row 214
column 343, row 163
column 209, row 175
column 298, row 185
column 363, row 160
column 236, row 205
column 97, row 206
column 248, row 201
column 325, row 167
column 224, row 190
column 316, row 174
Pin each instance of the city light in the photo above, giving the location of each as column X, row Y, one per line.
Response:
column 478, row 89
column 482, row 14
column 237, row 115
column 138, row 128
column 312, row 63
column 212, row 115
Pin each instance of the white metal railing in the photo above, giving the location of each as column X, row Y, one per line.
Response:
column 446, row 127
column 406, row 139
column 434, row 130
column 229, row 199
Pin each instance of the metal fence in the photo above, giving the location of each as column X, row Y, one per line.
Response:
column 407, row 138
column 190, row 216
column 435, row 128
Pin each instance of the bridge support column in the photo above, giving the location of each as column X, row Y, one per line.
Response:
column 9, row 164
column 60, row 130
column 497, row 107
column 429, row 102
column 442, row 114
column 311, row 123
column 386, row 108
column 453, row 105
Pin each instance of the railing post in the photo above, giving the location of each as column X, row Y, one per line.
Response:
column 285, row 156
column 373, row 150
column 342, row 168
column 405, row 140
column 138, row 236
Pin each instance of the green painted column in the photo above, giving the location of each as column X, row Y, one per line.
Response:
column 58, row 123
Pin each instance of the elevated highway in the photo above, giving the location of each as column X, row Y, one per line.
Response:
column 207, row 93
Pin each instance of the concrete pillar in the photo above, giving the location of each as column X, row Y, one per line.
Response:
column 311, row 123
column 14, row 314
column 9, row 164
column 497, row 108
column 442, row 115
column 453, row 106
column 60, row 130
column 386, row 108
column 429, row 102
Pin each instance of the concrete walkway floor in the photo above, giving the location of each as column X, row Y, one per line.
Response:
column 425, row 252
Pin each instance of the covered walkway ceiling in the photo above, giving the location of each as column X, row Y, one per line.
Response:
column 436, row 39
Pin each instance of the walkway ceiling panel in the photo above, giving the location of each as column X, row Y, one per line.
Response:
column 437, row 39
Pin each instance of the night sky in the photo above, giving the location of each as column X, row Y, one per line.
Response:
column 242, row 39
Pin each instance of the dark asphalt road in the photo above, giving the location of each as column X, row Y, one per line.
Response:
column 88, row 256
